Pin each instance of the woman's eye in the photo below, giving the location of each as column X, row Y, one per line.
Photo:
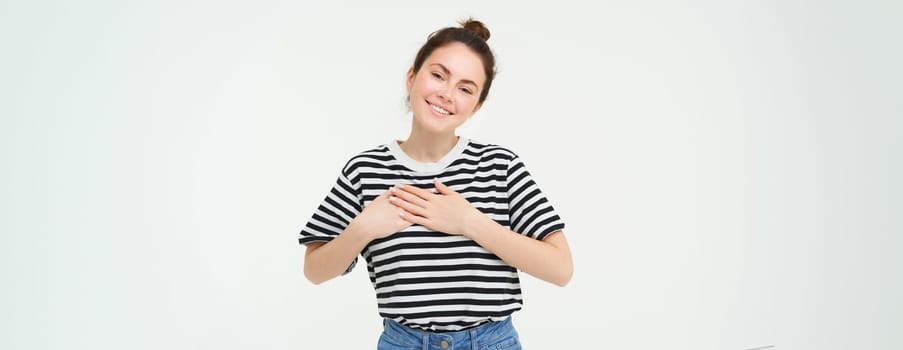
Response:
column 437, row 76
column 467, row 91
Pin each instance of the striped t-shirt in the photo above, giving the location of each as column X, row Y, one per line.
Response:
column 432, row 280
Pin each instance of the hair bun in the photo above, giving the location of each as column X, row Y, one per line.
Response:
column 476, row 27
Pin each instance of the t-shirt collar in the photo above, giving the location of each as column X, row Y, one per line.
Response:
column 427, row 167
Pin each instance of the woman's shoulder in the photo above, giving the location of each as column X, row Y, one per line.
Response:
column 369, row 155
column 485, row 149
column 379, row 150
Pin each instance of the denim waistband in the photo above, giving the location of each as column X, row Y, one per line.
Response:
column 471, row 338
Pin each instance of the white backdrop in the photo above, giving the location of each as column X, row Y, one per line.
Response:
column 728, row 171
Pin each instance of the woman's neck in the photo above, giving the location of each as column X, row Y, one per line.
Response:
column 428, row 148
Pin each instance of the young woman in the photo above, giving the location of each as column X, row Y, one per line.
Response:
column 444, row 223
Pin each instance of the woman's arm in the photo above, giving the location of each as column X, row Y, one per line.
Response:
column 449, row 212
column 326, row 260
column 548, row 260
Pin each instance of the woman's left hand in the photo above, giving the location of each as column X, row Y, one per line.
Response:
column 446, row 211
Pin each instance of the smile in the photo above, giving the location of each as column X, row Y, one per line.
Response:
column 438, row 109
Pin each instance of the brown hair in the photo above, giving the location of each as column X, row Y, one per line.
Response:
column 471, row 33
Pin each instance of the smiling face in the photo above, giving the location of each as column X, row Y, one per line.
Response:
column 445, row 91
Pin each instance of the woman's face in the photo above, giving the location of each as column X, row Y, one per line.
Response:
column 444, row 93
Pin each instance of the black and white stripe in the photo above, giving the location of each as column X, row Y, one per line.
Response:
column 427, row 279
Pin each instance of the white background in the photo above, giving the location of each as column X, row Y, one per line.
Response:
column 728, row 171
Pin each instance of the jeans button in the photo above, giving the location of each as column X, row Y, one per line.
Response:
column 443, row 344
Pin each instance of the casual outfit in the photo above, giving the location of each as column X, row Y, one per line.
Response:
column 431, row 285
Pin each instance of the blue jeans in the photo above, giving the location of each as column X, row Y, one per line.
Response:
column 487, row 336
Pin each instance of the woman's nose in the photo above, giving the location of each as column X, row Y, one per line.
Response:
column 446, row 92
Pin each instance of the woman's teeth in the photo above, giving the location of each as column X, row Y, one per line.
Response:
column 440, row 110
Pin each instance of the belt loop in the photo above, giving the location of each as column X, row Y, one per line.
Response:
column 426, row 339
column 473, row 338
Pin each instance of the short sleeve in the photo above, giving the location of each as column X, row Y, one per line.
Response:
column 341, row 205
column 529, row 210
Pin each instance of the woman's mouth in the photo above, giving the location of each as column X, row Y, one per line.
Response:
column 438, row 109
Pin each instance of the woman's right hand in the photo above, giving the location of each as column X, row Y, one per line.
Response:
column 380, row 218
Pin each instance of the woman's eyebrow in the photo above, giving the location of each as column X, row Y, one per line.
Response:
column 448, row 72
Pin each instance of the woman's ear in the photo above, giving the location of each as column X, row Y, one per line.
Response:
column 409, row 81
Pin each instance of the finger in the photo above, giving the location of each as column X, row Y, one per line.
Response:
column 442, row 188
column 414, row 219
column 409, row 197
column 401, row 217
column 407, row 206
column 417, row 191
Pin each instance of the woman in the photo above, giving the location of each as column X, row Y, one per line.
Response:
column 443, row 222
